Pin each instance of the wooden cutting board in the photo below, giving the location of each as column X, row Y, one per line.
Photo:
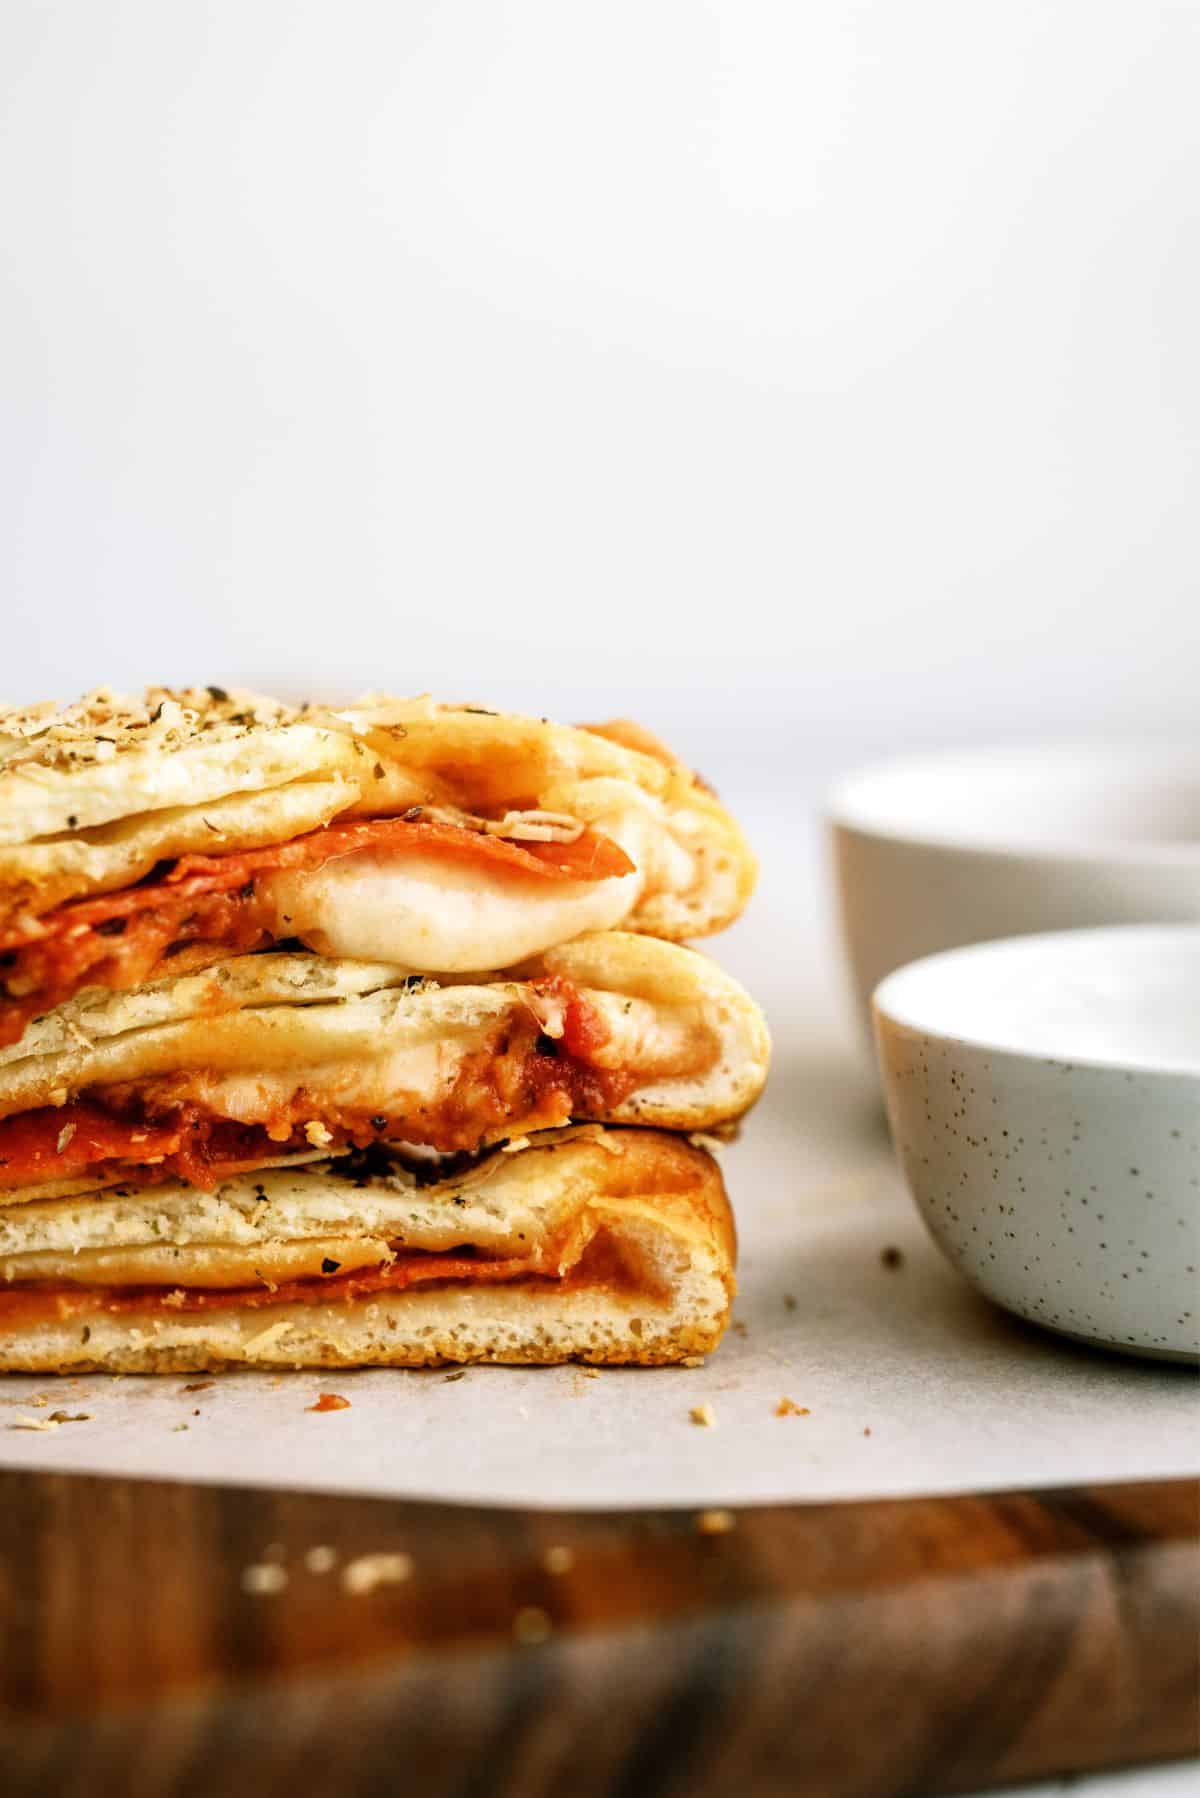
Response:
column 866, row 1650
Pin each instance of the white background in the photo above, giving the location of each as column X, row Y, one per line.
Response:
column 810, row 377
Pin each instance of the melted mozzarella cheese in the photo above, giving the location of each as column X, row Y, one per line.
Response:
column 661, row 1042
column 418, row 1074
column 435, row 915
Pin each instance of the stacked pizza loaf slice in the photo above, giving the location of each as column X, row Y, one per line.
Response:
column 338, row 1037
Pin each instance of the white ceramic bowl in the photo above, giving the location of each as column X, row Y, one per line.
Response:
column 968, row 847
column 1044, row 1097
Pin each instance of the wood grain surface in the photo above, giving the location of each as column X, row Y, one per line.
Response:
column 923, row 1646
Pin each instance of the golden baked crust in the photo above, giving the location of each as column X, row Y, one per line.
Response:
column 624, row 1252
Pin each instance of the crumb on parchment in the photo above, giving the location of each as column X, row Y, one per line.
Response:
column 715, row 1523
column 704, row 1415
column 531, row 1625
column 264, row 1578
column 330, row 1401
column 363, row 1574
column 787, row 1407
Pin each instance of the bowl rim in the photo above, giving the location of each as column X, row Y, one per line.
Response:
column 1165, row 1068
column 848, row 808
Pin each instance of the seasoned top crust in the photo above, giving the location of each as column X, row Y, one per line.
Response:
column 103, row 724
column 107, row 756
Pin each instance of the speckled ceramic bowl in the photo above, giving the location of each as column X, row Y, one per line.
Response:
column 1044, row 1097
column 938, row 851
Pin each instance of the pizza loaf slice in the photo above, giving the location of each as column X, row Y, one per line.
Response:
column 223, row 1070
column 145, row 837
column 603, row 1245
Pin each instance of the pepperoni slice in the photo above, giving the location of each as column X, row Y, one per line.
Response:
column 37, row 1303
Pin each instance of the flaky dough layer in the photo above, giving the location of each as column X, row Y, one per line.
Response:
column 334, row 1027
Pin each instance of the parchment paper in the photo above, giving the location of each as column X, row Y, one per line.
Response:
column 907, row 1381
